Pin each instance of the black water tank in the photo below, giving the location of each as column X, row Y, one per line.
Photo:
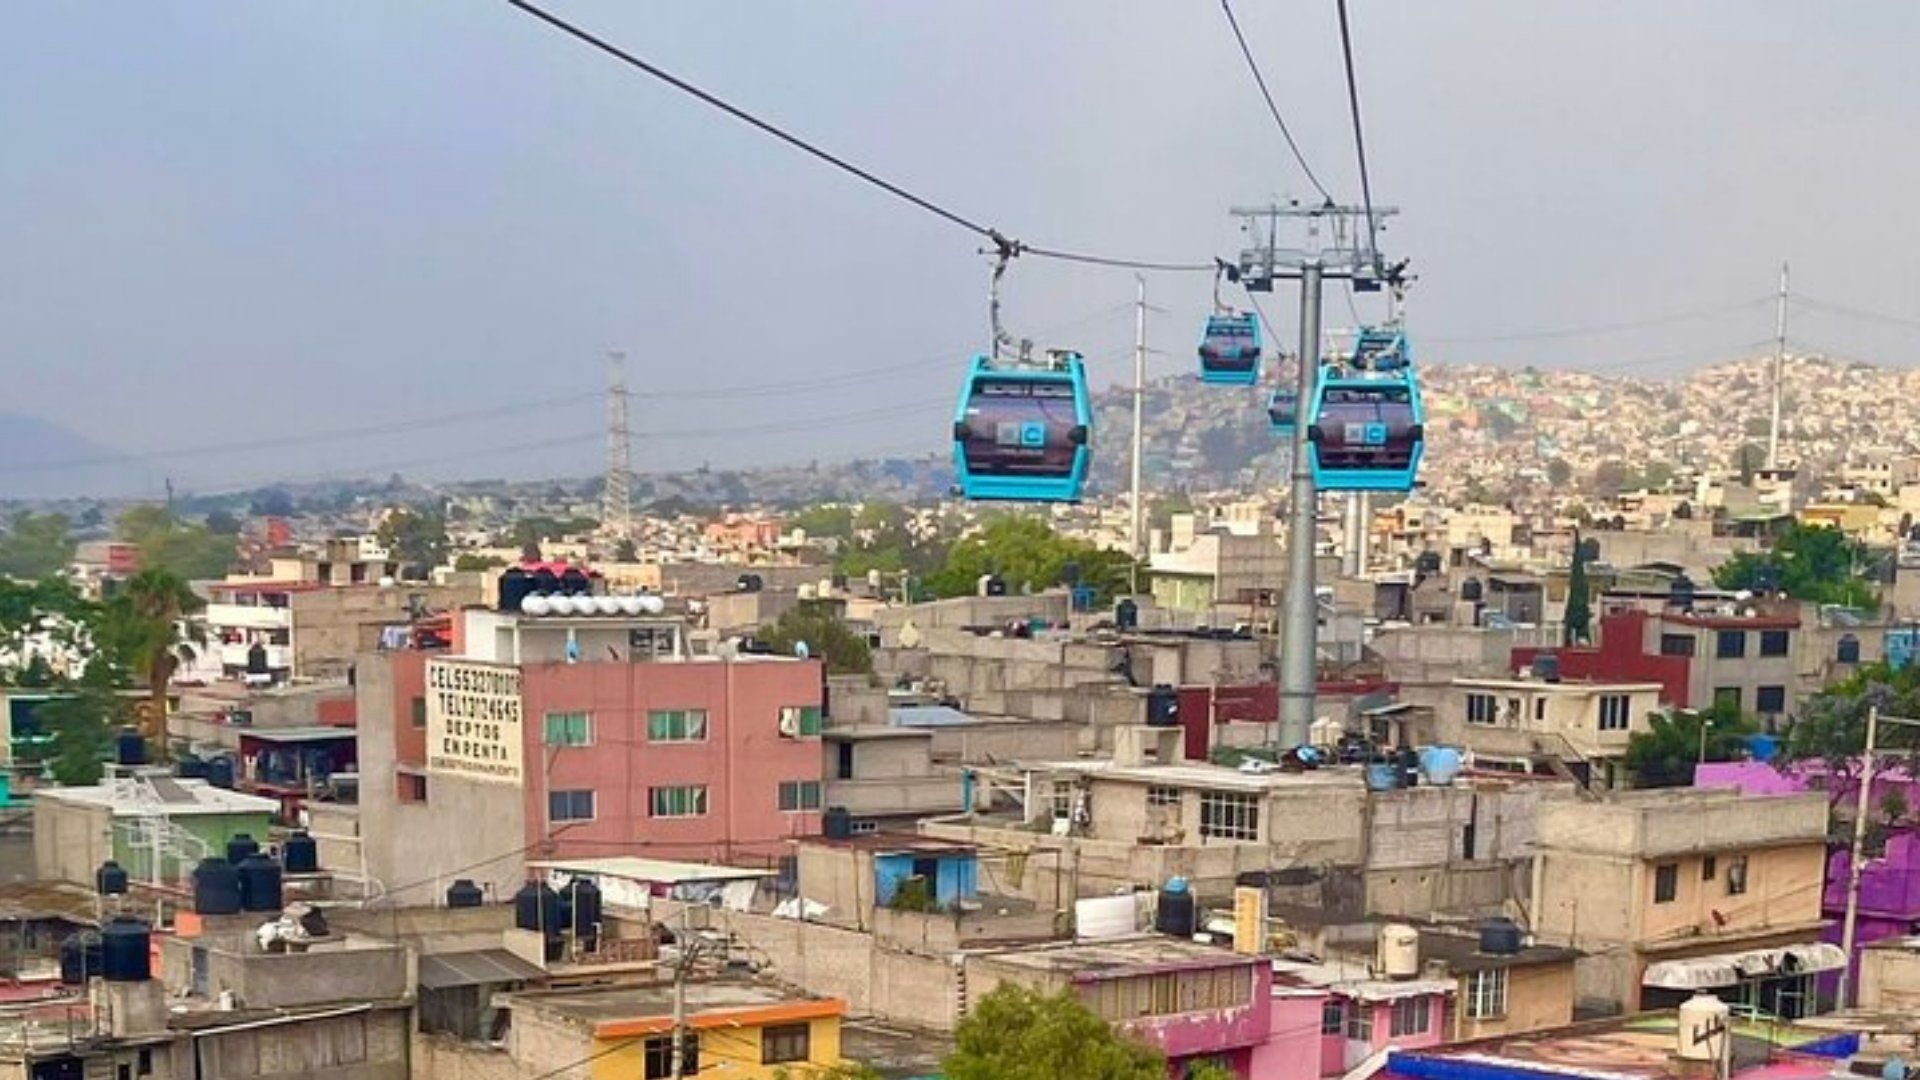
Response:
column 1681, row 592
column 1471, row 590
column 110, row 879
column 536, row 907
column 259, row 883
column 749, row 583
column 1069, row 573
column 463, row 893
column 1500, row 937
column 257, row 659
column 836, row 823
column 126, row 950
column 545, row 581
column 220, row 772
column 585, row 910
column 1163, row 706
column 1176, row 915
column 515, row 585
column 129, row 748
column 190, row 768
column 301, row 853
column 240, row 845
column 1546, row 667
column 80, row 958
column 1428, row 562
column 574, row 582
column 995, row 585
column 1126, row 615
column 216, row 887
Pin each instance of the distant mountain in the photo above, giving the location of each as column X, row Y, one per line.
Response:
column 40, row 459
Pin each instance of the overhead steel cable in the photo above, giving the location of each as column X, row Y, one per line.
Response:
column 1359, row 138
column 1604, row 328
column 1279, row 121
column 1000, row 241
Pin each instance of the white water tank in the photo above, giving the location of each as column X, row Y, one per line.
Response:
column 535, row 604
column 1704, row 1030
column 1399, row 951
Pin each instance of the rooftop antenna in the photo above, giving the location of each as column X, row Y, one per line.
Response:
column 1779, row 371
column 616, row 501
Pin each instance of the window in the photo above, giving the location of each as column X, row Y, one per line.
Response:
column 799, row 794
column 570, row 805
column 1614, row 710
column 1676, row 644
column 1666, row 882
column 1360, row 1022
column 413, row 788
column 1730, row 644
column 1162, row 795
column 1229, row 816
column 1848, row 651
column 1709, row 868
column 1540, row 707
column 658, row 1056
column 1771, row 700
column 420, row 712
column 1487, row 994
column 677, row 725
column 567, row 729
column 1131, row 997
column 1333, row 1017
column 863, row 828
column 785, row 1043
column 1728, row 696
column 799, row 721
column 1737, row 875
column 1481, row 709
column 843, row 761
column 1410, row 1016
column 689, row 801
column 1774, row 642
column 1064, row 799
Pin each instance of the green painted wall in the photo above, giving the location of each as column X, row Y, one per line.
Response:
column 214, row 829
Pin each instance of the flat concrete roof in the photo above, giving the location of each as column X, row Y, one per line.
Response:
column 651, row 871
column 1214, row 776
column 1143, row 953
column 176, row 796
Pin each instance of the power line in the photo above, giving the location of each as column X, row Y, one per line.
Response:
column 1853, row 312
column 1261, row 81
column 999, row 241
column 1359, row 139
column 1604, row 328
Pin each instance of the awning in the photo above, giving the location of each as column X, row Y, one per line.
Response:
column 444, row 971
column 1730, row 969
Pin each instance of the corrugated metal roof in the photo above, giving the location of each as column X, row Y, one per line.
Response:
column 447, row 970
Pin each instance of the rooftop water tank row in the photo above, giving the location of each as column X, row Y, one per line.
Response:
column 541, row 604
column 517, row 583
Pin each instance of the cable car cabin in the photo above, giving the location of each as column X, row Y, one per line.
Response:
column 1230, row 350
column 1380, row 348
column 1022, row 433
column 1366, row 434
column 1283, row 411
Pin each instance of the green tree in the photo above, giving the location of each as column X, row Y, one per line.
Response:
column 1612, row 477
column 418, row 538
column 36, row 545
column 1664, row 755
column 1579, row 618
column 186, row 549
column 1831, row 726
column 82, row 724
column 467, row 560
column 827, row 638
column 1028, row 555
column 147, row 626
column 626, row 550
column 846, row 1070
column 223, row 523
column 30, row 610
column 1017, row 1034
column 1807, row 562
column 1559, row 473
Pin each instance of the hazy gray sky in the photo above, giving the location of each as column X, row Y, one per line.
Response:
column 232, row 221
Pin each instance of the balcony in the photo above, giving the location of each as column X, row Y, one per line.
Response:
column 278, row 656
column 248, row 617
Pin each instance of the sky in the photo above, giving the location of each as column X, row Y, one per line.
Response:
column 301, row 240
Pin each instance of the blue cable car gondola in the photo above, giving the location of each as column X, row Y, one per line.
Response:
column 1021, row 433
column 1366, row 430
column 1230, row 349
column 1283, row 410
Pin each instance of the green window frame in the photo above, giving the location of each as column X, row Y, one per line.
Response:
column 567, row 729
column 799, row 795
column 670, row 802
column 677, row 725
column 800, row 721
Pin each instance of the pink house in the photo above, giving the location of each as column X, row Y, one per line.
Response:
column 1328, row 1018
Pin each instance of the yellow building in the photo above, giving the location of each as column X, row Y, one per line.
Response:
column 742, row 1030
column 1672, row 891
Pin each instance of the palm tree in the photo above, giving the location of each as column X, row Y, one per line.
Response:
column 148, row 625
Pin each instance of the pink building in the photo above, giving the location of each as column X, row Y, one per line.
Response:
column 1355, row 1015
column 583, row 735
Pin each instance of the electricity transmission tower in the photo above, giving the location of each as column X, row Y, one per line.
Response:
column 616, row 501
column 1322, row 242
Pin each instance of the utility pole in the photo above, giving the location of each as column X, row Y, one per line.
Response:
column 616, row 500
column 1779, row 370
column 1849, row 983
column 1136, row 534
column 1332, row 248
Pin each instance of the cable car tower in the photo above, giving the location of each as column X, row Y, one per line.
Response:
column 1308, row 244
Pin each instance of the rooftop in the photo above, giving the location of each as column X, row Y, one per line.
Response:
column 885, row 843
column 158, row 792
column 623, row 1011
column 1640, row 1047
column 1143, row 953
column 650, row 871
column 1217, row 777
